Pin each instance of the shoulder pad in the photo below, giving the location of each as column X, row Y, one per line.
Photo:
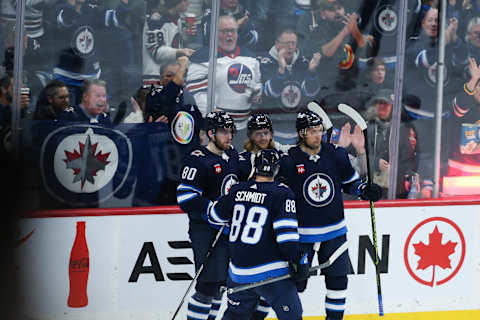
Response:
column 197, row 153
column 281, row 184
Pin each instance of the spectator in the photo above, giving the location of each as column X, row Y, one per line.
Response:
column 464, row 149
column 238, row 76
column 93, row 106
column 381, row 20
column 289, row 78
column 52, row 102
column 379, row 144
column 6, row 109
column 76, row 41
column 165, row 98
column 470, row 48
column 38, row 55
column 247, row 34
column 269, row 18
column 335, row 34
column 167, row 104
column 421, row 81
column 162, row 40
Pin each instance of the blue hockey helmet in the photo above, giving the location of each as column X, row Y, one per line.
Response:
column 267, row 162
column 259, row 121
column 307, row 119
column 219, row 119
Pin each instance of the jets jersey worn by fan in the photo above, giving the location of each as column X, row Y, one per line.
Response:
column 237, row 76
column 263, row 229
column 317, row 181
column 161, row 39
column 204, row 177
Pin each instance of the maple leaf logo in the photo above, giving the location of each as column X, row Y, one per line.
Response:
column 86, row 162
column 435, row 253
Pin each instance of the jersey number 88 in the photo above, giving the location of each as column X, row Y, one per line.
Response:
column 253, row 226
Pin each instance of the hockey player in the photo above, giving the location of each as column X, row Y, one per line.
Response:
column 208, row 172
column 263, row 241
column 259, row 137
column 317, row 172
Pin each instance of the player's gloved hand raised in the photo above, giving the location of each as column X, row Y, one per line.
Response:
column 371, row 193
column 299, row 270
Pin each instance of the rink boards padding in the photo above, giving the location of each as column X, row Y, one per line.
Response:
column 140, row 262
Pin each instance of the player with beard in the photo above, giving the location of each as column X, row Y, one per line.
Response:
column 317, row 172
column 266, row 207
column 207, row 173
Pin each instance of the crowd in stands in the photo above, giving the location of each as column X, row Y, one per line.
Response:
column 273, row 57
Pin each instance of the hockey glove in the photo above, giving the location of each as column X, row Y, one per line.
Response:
column 300, row 270
column 371, row 193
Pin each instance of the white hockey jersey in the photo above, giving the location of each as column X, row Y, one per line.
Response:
column 237, row 78
column 161, row 39
column 33, row 15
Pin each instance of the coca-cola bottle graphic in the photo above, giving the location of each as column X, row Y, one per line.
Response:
column 78, row 269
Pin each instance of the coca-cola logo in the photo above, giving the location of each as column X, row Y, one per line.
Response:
column 80, row 263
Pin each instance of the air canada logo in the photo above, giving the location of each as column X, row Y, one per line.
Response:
column 239, row 77
column 434, row 251
column 318, row 190
column 85, row 164
column 83, row 41
column 386, row 20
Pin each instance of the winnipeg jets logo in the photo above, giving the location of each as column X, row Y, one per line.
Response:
column 386, row 20
column 318, row 190
column 83, row 41
column 228, row 182
column 83, row 164
column 431, row 75
column 291, row 95
column 86, row 161
column 238, row 77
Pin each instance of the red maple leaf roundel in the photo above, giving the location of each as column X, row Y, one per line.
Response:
column 435, row 253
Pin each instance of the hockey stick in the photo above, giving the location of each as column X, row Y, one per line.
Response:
column 353, row 114
column 314, row 106
column 209, row 253
column 323, row 265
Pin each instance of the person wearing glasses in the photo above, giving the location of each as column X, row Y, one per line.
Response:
column 238, row 81
column 289, row 78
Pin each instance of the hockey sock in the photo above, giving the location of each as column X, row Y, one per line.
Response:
column 336, row 296
column 216, row 302
column 261, row 311
column 199, row 307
